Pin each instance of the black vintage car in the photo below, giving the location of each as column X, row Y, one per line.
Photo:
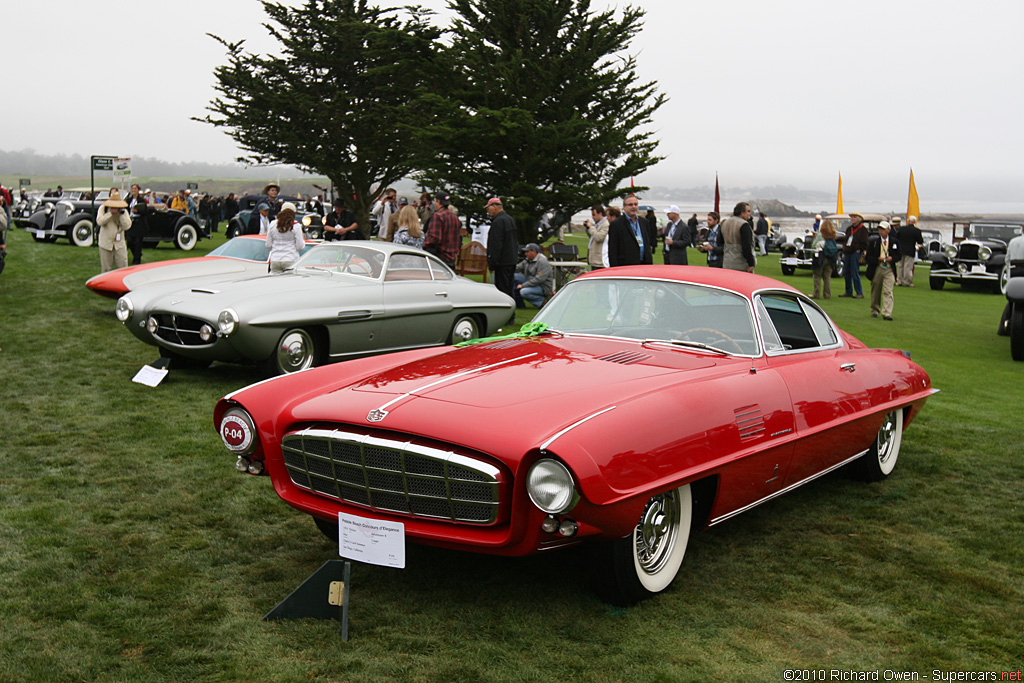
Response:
column 977, row 254
column 312, row 223
column 797, row 253
column 75, row 220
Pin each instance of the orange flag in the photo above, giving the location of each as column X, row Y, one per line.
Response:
column 839, row 200
column 913, row 204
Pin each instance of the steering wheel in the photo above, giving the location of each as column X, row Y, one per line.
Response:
column 358, row 268
column 711, row 336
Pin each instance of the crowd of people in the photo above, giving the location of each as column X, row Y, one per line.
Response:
column 617, row 237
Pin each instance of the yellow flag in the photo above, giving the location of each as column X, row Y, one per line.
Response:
column 913, row 205
column 839, row 201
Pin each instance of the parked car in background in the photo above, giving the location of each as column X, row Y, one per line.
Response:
column 1012, row 322
column 341, row 300
column 312, row 223
column 932, row 244
column 976, row 254
column 241, row 257
column 572, row 433
column 797, row 252
column 75, row 220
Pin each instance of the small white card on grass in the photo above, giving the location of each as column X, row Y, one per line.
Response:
column 371, row 541
column 150, row 376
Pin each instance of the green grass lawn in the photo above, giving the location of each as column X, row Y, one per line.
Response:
column 131, row 550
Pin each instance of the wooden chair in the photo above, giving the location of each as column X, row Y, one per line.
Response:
column 472, row 260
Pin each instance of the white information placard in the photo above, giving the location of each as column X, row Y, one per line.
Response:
column 371, row 541
column 150, row 376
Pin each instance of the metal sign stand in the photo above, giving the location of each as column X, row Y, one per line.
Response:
column 321, row 596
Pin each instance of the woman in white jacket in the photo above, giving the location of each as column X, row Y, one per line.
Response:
column 284, row 239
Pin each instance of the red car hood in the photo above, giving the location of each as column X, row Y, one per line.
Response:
column 501, row 396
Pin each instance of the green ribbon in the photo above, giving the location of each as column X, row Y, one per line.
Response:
column 527, row 330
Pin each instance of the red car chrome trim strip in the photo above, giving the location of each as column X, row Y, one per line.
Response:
column 574, row 425
column 789, row 488
column 381, row 412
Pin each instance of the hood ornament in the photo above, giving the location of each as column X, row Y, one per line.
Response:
column 376, row 415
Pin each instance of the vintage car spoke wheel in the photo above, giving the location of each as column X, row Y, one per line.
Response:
column 185, row 237
column 464, row 329
column 880, row 460
column 81, row 233
column 1017, row 331
column 712, row 336
column 295, row 351
column 840, row 268
column 647, row 561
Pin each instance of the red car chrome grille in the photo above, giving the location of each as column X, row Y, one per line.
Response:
column 393, row 475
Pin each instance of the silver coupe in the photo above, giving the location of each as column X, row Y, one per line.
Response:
column 341, row 300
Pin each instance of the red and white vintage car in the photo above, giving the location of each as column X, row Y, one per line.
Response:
column 649, row 401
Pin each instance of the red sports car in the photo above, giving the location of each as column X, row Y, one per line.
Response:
column 240, row 257
column 641, row 403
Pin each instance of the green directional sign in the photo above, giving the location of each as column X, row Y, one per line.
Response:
column 102, row 163
column 25, row 181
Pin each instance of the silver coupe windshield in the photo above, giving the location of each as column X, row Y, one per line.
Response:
column 342, row 257
column 654, row 310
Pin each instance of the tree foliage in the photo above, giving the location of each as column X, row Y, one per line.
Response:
column 540, row 104
column 339, row 99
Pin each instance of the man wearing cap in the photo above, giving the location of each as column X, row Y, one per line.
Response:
column 259, row 220
column 882, row 256
column 910, row 239
column 629, row 239
column 270, row 192
column 856, row 244
column 534, row 277
column 502, row 247
column 817, row 223
column 114, row 222
column 179, row 203
column 677, row 238
column 341, row 224
column 444, row 235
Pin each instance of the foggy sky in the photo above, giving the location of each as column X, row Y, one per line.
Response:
column 789, row 92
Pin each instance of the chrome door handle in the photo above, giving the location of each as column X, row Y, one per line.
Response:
column 440, row 293
column 849, row 367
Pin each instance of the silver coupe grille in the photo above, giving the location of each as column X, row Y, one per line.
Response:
column 393, row 475
column 179, row 329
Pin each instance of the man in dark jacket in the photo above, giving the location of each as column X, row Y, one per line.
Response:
column 856, row 245
column 910, row 238
column 629, row 240
column 502, row 247
column 882, row 256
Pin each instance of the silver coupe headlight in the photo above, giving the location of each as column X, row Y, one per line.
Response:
column 124, row 309
column 950, row 251
column 798, row 243
column 227, row 322
column 551, row 487
column 984, row 253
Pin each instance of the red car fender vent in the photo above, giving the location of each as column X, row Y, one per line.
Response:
column 626, row 357
column 503, row 344
column 750, row 421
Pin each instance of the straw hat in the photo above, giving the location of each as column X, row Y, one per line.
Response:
column 115, row 201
